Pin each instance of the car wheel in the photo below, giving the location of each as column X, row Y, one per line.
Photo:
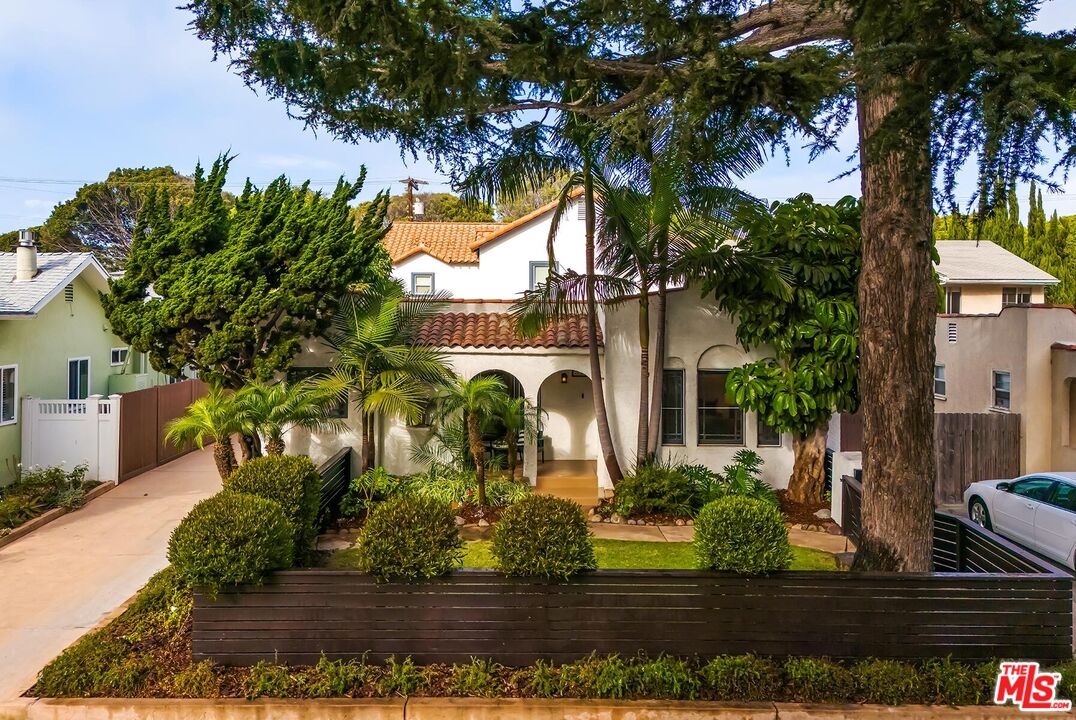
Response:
column 978, row 513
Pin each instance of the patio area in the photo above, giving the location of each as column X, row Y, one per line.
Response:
column 575, row 480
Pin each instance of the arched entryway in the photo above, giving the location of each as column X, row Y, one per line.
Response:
column 567, row 447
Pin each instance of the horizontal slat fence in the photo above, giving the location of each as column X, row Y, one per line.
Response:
column 300, row 614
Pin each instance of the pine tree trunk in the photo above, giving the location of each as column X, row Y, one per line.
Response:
column 224, row 457
column 275, row 446
column 657, row 371
column 897, row 302
column 643, row 432
column 808, row 467
column 601, row 416
column 474, row 437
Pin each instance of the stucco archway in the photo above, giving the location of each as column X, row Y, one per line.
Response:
column 568, row 455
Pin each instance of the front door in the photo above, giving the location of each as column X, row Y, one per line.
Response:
column 1014, row 514
column 78, row 378
column 1055, row 524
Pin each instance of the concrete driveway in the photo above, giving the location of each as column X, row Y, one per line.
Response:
column 61, row 580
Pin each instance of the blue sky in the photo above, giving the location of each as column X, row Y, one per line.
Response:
column 88, row 87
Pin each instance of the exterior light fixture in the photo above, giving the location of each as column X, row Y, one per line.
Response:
column 564, row 378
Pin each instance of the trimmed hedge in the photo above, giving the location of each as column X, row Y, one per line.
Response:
column 294, row 483
column 230, row 539
column 741, row 535
column 409, row 538
column 543, row 536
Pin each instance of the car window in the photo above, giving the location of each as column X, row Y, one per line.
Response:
column 1065, row 496
column 1034, row 488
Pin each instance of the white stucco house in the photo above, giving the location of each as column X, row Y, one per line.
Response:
column 485, row 266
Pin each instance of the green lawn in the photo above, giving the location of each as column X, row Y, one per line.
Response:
column 622, row 555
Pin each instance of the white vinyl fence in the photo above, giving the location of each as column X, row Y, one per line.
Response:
column 69, row 432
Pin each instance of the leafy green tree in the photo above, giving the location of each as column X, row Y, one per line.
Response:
column 214, row 417
column 810, row 334
column 476, row 400
column 439, row 207
column 527, row 201
column 275, row 408
column 379, row 364
column 514, row 418
column 930, row 84
column 233, row 293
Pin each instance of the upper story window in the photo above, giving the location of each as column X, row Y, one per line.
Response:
column 9, row 394
column 539, row 273
column 952, row 301
column 721, row 421
column 1002, row 390
column 422, row 284
column 939, row 380
column 119, row 356
column 1015, row 296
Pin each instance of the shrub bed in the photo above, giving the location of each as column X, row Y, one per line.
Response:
column 409, row 538
column 293, row 482
column 39, row 490
column 543, row 536
column 742, row 535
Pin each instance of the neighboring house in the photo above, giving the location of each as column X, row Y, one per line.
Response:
column 54, row 339
column 485, row 267
column 982, row 277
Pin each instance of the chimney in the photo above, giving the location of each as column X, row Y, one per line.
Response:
column 26, row 256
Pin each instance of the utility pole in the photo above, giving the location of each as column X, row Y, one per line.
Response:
column 412, row 185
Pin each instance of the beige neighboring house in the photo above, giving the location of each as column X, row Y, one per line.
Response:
column 981, row 278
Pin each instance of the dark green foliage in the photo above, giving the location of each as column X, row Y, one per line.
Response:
column 1066, row 688
column 817, row 680
column 336, row 678
column 401, row 678
column 241, row 287
column 478, row 678
column 656, row 486
column 666, row 678
column 543, row 536
column 743, row 477
column 268, row 680
column 84, row 669
column 39, row 490
column 608, row 677
column 293, row 482
column 437, row 207
column 887, row 682
column 741, row 677
column 541, row 680
column 409, row 538
column 372, row 487
column 944, row 682
column 741, row 535
column 199, row 680
column 229, row 539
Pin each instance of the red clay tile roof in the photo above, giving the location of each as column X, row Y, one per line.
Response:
column 498, row 330
column 519, row 222
column 449, row 242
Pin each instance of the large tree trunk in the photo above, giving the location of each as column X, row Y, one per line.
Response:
column 897, row 302
column 643, row 433
column 605, row 436
column 657, row 371
column 808, row 466
column 224, row 458
column 474, row 438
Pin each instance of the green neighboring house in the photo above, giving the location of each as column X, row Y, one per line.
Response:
column 55, row 342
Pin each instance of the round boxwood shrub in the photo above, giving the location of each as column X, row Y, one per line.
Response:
column 742, row 535
column 543, row 536
column 408, row 538
column 229, row 539
column 294, row 483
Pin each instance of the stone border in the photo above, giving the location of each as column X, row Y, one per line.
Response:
column 434, row 708
column 55, row 514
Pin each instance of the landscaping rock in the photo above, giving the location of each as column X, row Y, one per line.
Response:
column 460, row 520
column 616, row 519
column 823, row 514
column 483, row 523
column 679, row 522
column 690, row 523
column 834, row 530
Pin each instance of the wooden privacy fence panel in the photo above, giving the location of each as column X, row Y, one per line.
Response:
column 144, row 414
column 300, row 614
column 851, row 506
column 973, row 447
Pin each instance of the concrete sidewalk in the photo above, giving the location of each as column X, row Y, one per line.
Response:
column 62, row 579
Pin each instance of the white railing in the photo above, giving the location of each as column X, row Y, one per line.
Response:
column 70, row 432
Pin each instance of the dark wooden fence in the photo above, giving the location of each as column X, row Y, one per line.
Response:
column 335, row 478
column 300, row 614
column 143, row 417
column 973, row 447
column 851, row 506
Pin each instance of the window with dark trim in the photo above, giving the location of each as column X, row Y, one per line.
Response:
column 720, row 419
column 672, row 407
column 1015, row 296
column 539, row 273
column 952, row 302
column 422, row 284
column 767, row 436
column 939, row 380
column 1002, row 390
column 9, row 394
column 338, row 410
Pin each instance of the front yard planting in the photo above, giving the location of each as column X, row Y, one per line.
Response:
column 38, row 490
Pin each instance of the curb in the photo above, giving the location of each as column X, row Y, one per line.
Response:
column 55, row 514
column 436, row 708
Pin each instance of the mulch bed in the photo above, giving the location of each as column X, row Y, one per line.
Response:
column 804, row 513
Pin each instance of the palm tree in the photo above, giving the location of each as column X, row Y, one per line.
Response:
column 514, row 416
column 477, row 401
column 275, row 408
column 214, row 417
column 379, row 362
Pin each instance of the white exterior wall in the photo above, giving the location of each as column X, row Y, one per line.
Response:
column 456, row 278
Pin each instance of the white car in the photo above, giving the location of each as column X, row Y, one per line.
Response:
column 1037, row 511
